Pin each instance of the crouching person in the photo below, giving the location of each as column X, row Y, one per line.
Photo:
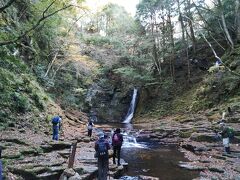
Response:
column 101, row 147
column 56, row 125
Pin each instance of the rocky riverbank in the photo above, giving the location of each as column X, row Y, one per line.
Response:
column 196, row 137
column 33, row 155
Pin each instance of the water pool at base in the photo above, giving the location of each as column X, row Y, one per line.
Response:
column 157, row 161
column 148, row 158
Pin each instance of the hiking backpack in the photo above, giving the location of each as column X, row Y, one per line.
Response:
column 102, row 148
column 55, row 120
column 90, row 126
column 230, row 132
column 116, row 139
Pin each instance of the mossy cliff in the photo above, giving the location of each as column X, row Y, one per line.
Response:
column 23, row 101
column 214, row 90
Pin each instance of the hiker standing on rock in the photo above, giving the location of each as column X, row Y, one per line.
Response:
column 90, row 128
column 101, row 147
column 57, row 123
column 117, row 140
column 226, row 133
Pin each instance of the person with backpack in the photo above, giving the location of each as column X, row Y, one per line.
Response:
column 227, row 134
column 117, row 140
column 90, row 128
column 57, row 123
column 101, row 147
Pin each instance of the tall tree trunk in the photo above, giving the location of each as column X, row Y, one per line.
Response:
column 181, row 22
column 172, row 45
column 184, row 40
column 188, row 60
column 152, row 24
column 225, row 25
column 237, row 20
column 190, row 23
column 155, row 58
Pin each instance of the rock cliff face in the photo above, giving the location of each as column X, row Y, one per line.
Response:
column 107, row 102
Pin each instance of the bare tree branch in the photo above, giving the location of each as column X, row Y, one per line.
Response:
column 216, row 41
column 48, row 7
column 61, row 47
column 36, row 25
column 50, row 64
column 229, row 38
column 217, row 57
column 215, row 54
column 7, row 5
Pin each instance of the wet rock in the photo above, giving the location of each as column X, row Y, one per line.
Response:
column 216, row 169
column 55, row 145
column 153, row 136
column 11, row 154
column 232, row 155
column 10, row 176
column 204, row 161
column 46, row 148
column 190, row 166
column 185, row 134
column 119, row 172
column 29, row 151
column 58, row 169
column 202, row 149
column 79, row 139
column 69, row 172
column 63, row 177
column 59, row 145
column 27, row 173
column 233, row 119
column 236, row 132
column 203, row 137
column 48, row 176
column 141, row 177
column 64, row 153
column 219, row 157
column 86, row 139
column 237, row 169
column 188, row 147
column 236, row 139
column 89, row 169
column 155, row 139
column 14, row 140
column 75, row 177
column 22, row 130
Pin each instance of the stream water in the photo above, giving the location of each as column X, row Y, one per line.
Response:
column 151, row 159
column 155, row 160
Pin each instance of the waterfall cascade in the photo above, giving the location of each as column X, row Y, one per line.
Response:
column 131, row 108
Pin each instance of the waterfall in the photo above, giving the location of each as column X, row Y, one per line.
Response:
column 131, row 108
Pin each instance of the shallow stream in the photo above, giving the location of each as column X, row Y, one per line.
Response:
column 151, row 159
column 157, row 161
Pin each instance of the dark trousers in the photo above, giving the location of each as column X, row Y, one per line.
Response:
column 89, row 132
column 227, row 149
column 102, row 168
column 55, row 132
column 116, row 154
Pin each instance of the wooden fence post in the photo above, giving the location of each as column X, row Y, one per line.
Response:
column 72, row 155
